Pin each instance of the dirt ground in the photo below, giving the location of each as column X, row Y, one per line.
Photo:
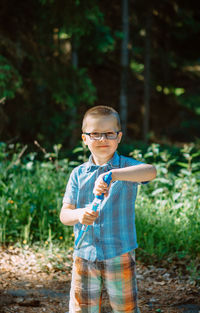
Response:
column 33, row 281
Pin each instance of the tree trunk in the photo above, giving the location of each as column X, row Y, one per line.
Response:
column 147, row 62
column 74, row 54
column 124, row 66
column 73, row 111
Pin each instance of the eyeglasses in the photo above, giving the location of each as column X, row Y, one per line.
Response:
column 98, row 136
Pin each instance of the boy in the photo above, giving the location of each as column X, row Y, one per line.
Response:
column 106, row 255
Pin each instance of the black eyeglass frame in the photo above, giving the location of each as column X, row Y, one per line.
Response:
column 103, row 134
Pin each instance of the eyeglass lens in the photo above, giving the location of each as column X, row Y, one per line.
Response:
column 109, row 135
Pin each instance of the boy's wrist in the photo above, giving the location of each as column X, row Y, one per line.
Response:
column 114, row 175
column 79, row 213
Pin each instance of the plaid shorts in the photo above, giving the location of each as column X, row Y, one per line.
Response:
column 116, row 275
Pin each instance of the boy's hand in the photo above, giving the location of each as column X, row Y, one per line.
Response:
column 100, row 186
column 87, row 216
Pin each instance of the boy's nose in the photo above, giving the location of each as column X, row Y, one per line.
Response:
column 103, row 136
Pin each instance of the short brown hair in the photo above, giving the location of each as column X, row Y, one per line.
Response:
column 101, row 110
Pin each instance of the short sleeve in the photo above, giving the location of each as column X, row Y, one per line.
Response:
column 127, row 161
column 71, row 191
column 131, row 162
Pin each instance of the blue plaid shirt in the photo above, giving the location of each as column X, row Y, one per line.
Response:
column 113, row 232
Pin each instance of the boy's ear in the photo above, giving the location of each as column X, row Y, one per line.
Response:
column 84, row 139
column 120, row 136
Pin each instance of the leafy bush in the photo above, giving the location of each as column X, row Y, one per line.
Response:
column 10, row 80
column 167, row 209
column 31, row 195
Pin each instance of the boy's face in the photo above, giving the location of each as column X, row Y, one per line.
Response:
column 103, row 149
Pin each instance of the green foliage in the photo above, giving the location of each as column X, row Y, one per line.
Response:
column 72, row 92
column 10, row 79
column 136, row 67
column 40, row 40
column 191, row 102
column 31, row 195
column 167, row 209
column 170, row 90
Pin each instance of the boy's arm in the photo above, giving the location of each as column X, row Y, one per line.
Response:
column 136, row 173
column 69, row 216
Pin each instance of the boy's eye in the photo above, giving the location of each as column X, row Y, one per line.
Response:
column 95, row 134
column 110, row 134
column 99, row 135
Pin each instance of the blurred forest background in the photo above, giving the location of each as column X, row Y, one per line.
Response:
column 57, row 59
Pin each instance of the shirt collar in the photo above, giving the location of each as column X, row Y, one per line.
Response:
column 114, row 162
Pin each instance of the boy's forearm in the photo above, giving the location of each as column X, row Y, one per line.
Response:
column 137, row 173
column 69, row 216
